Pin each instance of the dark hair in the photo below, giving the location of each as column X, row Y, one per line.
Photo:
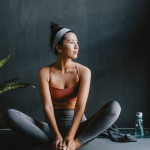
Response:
column 54, row 29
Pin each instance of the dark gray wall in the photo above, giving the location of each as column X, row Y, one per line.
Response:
column 113, row 39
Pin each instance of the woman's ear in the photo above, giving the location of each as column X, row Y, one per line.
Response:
column 58, row 48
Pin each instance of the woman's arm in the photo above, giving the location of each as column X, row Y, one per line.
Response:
column 43, row 83
column 85, row 80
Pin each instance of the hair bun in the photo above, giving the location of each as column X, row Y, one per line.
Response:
column 54, row 27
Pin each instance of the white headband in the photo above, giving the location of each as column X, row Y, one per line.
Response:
column 58, row 36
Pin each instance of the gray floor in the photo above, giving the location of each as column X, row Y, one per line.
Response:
column 9, row 140
column 106, row 144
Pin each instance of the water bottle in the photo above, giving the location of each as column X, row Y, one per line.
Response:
column 139, row 131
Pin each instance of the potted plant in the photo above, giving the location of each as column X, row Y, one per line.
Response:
column 6, row 86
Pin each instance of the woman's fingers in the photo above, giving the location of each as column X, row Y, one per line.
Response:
column 68, row 145
column 56, row 145
column 60, row 148
column 64, row 143
column 61, row 145
column 64, row 148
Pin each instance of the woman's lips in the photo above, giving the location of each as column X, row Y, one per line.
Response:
column 75, row 52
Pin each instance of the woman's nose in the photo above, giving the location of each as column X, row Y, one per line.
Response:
column 76, row 46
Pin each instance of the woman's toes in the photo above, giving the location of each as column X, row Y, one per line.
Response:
column 64, row 148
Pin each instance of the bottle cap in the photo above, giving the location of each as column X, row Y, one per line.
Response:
column 139, row 114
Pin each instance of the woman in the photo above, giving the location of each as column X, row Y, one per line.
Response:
column 64, row 88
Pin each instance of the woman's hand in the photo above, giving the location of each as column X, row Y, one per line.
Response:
column 57, row 143
column 68, row 141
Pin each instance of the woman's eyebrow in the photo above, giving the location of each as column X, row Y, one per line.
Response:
column 72, row 40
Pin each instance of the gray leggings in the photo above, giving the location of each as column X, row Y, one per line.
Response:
column 88, row 129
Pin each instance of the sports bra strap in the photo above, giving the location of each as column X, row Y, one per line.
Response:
column 75, row 65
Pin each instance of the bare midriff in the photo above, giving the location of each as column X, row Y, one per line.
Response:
column 64, row 105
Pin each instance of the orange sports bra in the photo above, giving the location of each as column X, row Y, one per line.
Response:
column 64, row 95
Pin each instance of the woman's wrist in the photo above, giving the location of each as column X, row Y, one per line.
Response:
column 57, row 135
column 78, row 144
column 69, row 135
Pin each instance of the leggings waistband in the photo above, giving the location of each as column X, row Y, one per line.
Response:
column 64, row 112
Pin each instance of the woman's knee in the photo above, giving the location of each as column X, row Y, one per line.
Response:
column 115, row 108
column 8, row 114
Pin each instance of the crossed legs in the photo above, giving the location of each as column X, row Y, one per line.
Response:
column 29, row 127
column 99, row 122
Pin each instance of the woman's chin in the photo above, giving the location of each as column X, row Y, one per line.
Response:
column 75, row 56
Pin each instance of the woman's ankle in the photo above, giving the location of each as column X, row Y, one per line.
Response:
column 77, row 143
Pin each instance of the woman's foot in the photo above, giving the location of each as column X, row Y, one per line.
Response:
column 63, row 147
column 75, row 145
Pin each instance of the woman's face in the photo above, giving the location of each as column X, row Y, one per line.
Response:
column 70, row 46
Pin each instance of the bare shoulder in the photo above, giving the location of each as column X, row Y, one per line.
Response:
column 44, row 72
column 44, row 69
column 83, row 70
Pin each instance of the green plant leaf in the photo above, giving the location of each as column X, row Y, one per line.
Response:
column 1, row 117
column 14, row 86
column 9, row 81
column 2, row 62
